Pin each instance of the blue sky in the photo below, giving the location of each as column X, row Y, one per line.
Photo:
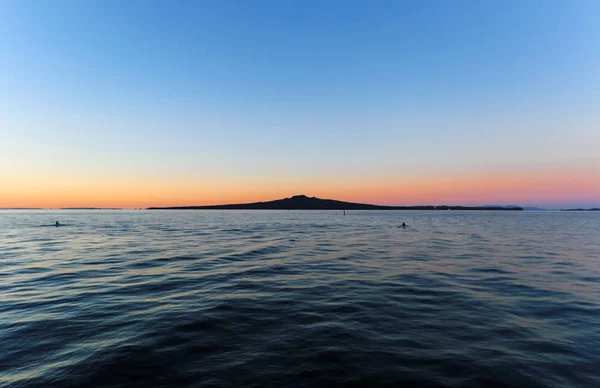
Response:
column 268, row 91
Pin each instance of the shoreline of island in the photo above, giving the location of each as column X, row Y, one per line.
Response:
column 303, row 202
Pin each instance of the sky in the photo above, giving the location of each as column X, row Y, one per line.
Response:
column 158, row 103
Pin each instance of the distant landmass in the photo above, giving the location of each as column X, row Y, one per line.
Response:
column 21, row 208
column 302, row 202
column 90, row 208
column 594, row 209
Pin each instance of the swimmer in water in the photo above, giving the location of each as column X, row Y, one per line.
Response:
column 403, row 224
column 57, row 224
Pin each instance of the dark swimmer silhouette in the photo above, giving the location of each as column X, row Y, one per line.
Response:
column 57, row 224
column 403, row 225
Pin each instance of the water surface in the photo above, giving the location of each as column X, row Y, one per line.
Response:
column 299, row 298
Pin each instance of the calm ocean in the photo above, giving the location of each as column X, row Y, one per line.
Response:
column 299, row 298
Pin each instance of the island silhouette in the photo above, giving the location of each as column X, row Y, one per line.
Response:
column 303, row 202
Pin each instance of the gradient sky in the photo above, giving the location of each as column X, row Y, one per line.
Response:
column 142, row 103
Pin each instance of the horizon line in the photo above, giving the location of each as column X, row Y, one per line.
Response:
column 514, row 204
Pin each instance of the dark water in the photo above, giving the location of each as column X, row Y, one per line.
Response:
column 217, row 298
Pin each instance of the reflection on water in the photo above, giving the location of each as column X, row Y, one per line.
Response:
column 235, row 298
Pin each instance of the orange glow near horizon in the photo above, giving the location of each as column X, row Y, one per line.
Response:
column 458, row 189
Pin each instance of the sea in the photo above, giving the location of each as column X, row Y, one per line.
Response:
column 213, row 298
